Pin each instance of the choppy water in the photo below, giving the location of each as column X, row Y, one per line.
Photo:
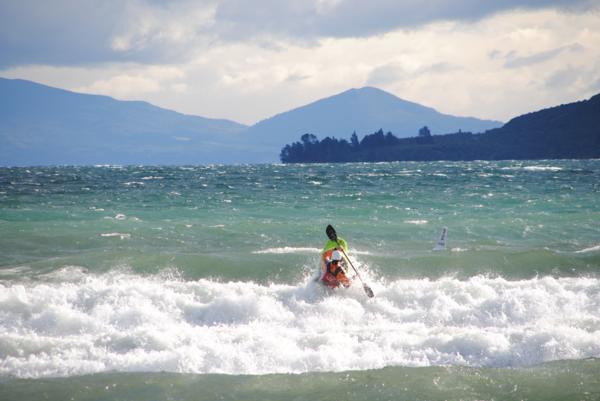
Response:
column 206, row 273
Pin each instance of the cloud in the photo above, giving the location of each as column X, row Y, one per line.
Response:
column 297, row 77
column 514, row 61
column 84, row 32
column 396, row 72
column 495, row 54
column 386, row 74
column 138, row 82
column 565, row 78
column 595, row 86
column 303, row 20
column 562, row 78
column 455, row 67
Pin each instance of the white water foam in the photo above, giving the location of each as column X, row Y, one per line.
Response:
column 292, row 249
column 590, row 249
column 416, row 222
column 542, row 168
column 287, row 249
column 534, row 168
column 125, row 322
column 120, row 235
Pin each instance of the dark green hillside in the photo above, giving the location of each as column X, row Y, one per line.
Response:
column 570, row 131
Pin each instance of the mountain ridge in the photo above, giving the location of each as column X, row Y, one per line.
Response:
column 567, row 131
column 66, row 92
column 363, row 110
column 43, row 125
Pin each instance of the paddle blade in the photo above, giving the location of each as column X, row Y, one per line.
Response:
column 331, row 234
column 368, row 291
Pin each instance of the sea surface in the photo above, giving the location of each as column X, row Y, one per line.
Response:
column 198, row 282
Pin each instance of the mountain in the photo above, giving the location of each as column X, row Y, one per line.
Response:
column 362, row 110
column 40, row 125
column 568, row 131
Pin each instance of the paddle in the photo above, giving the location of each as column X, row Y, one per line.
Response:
column 332, row 235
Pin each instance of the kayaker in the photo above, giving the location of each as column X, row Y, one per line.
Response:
column 333, row 272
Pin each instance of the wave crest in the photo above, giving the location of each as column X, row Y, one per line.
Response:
column 125, row 322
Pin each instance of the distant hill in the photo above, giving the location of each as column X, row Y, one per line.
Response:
column 362, row 110
column 40, row 125
column 570, row 131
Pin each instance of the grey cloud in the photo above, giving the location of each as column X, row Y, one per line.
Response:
column 536, row 58
column 297, row 77
column 78, row 32
column 352, row 18
column 386, row 74
column 572, row 76
column 67, row 32
column 595, row 86
column 53, row 33
column 393, row 73
column 562, row 78
column 439, row 68
column 495, row 54
column 513, row 61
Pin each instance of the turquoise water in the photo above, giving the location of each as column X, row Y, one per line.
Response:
column 556, row 381
column 110, row 274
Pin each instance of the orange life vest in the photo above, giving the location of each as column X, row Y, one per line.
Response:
column 333, row 273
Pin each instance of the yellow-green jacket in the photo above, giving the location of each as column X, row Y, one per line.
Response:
column 329, row 245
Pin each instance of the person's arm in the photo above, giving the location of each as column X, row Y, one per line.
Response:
column 324, row 260
column 323, row 265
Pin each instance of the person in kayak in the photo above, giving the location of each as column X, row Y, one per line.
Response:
column 333, row 272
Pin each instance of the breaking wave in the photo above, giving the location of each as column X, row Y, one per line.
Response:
column 75, row 323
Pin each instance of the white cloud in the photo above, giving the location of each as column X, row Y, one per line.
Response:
column 84, row 32
column 444, row 65
column 138, row 82
column 455, row 66
column 122, row 86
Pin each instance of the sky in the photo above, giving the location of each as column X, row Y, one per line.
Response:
column 249, row 60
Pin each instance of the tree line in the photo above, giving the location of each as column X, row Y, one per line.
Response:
column 373, row 147
column 566, row 131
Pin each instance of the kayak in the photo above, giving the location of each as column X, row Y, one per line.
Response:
column 328, row 280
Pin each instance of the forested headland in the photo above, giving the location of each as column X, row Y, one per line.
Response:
column 570, row 131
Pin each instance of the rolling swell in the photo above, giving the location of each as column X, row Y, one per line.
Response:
column 112, row 274
column 517, row 219
column 566, row 380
